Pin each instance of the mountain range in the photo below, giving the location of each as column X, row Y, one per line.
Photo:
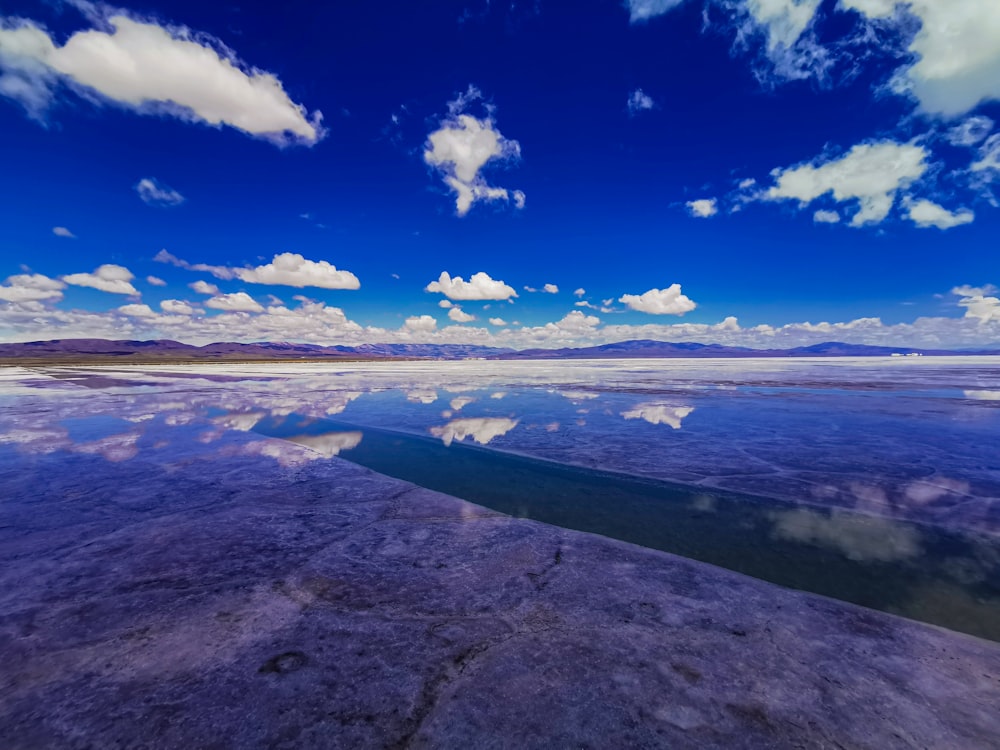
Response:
column 103, row 350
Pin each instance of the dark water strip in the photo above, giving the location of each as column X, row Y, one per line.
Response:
column 946, row 578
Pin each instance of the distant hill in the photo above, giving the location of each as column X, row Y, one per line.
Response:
column 99, row 350
column 647, row 348
column 164, row 350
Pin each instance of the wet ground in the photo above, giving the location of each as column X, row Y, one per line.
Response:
column 163, row 530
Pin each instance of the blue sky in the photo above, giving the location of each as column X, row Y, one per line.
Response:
column 753, row 172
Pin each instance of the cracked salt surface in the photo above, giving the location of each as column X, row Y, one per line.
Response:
column 165, row 563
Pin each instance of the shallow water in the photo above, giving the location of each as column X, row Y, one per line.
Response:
column 873, row 481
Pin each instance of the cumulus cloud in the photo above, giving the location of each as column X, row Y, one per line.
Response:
column 286, row 269
column 291, row 269
column 176, row 307
column 138, row 311
column 550, row 289
column 155, row 194
column 660, row 413
column 580, row 292
column 643, row 10
column 155, row 281
column 667, row 301
column 925, row 213
column 462, row 146
column 870, row 173
column 639, row 101
column 107, row 278
column 479, row 287
column 203, row 287
column 460, row 316
column 33, row 287
column 703, row 208
column 235, row 302
column 955, row 53
column 498, row 322
column 62, row 232
column 420, row 324
column 151, row 69
column 978, row 304
column 826, row 217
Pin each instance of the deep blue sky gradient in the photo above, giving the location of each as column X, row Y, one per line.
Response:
column 605, row 189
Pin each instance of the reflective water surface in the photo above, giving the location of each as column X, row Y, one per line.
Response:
column 873, row 481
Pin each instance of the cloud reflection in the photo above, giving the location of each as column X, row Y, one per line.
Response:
column 983, row 395
column 658, row 413
column 329, row 444
column 857, row 537
column 480, row 429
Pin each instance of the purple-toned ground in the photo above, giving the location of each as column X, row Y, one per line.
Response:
column 169, row 578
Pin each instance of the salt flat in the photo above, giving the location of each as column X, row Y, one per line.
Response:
column 172, row 577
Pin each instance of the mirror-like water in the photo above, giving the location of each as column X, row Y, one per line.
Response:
column 872, row 481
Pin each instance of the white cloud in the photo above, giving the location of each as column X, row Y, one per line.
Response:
column 970, row 131
column 479, row 287
column 235, row 302
column 550, row 289
column 203, row 287
column 639, row 101
column 155, row 281
column 925, row 213
column 870, row 173
column 152, row 70
column 460, row 316
column 826, row 217
column 314, row 322
column 291, row 269
column 107, row 278
column 176, row 307
column 445, row 303
column 784, row 20
column 660, row 413
column 33, row 287
column 420, row 324
column 989, row 156
column 955, row 53
column 967, row 290
column 138, row 311
column 703, row 207
column 155, row 194
column 667, row 301
column 221, row 272
column 643, row 10
column 482, row 429
column 62, row 232
column 498, row 322
column 462, row 146
column 978, row 305
column 580, row 292
column 285, row 269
